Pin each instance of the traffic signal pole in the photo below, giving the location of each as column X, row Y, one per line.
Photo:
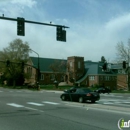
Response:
column 128, row 78
column 21, row 26
column 128, row 71
column 33, row 22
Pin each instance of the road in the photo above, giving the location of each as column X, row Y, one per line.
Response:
column 43, row 110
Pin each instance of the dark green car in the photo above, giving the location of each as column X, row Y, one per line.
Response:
column 80, row 95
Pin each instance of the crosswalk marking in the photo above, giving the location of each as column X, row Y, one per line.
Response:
column 43, row 103
column 36, row 104
column 53, row 103
column 14, row 105
column 108, row 103
column 110, row 95
column 117, row 102
column 126, row 102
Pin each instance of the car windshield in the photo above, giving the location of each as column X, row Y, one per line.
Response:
column 84, row 90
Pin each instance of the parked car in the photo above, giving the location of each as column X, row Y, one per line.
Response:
column 80, row 94
column 103, row 90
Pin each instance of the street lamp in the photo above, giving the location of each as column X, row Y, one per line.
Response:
column 38, row 70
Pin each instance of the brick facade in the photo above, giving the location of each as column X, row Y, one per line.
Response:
column 75, row 70
column 122, row 82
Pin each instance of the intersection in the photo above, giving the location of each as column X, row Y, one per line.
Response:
column 44, row 110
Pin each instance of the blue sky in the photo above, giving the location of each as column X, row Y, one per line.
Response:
column 96, row 26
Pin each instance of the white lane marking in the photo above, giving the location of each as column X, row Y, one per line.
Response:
column 126, row 102
column 119, row 96
column 36, row 104
column 107, row 100
column 108, row 103
column 117, row 102
column 14, row 105
column 108, row 95
column 53, row 103
column 113, row 100
column 71, row 105
column 17, row 105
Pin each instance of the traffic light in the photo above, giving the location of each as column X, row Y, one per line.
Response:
column 7, row 63
column 124, row 64
column 20, row 26
column 60, row 34
column 104, row 67
column 64, row 35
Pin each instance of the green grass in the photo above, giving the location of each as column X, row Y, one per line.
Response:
column 120, row 91
column 59, row 88
column 45, row 87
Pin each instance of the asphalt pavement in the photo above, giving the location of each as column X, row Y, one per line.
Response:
column 43, row 110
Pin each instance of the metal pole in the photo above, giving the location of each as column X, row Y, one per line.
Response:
column 128, row 73
column 33, row 22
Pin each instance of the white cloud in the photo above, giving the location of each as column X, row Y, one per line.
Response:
column 91, row 40
column 15, row 8
column 118, row 23
column 29, row 3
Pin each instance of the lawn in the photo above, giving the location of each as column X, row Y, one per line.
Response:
column 59, row 88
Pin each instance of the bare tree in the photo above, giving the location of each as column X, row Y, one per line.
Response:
column 123, row 54
column 16, row 53
column 58, row 68
column 123, row 51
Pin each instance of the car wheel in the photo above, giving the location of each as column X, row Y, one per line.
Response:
column 92, row 101
column 81, row 100
column 63, row 97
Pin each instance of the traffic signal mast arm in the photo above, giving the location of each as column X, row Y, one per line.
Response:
column 33, row 22
column 60, row 29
